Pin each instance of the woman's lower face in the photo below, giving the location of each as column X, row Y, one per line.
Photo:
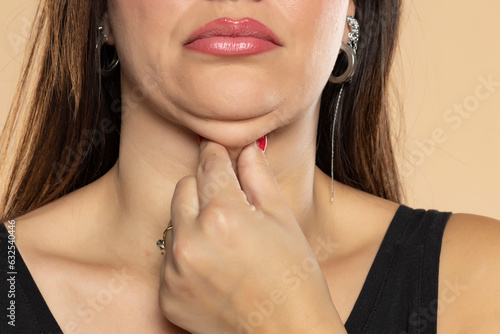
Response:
column 230, row 71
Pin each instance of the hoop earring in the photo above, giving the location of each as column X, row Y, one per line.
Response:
column 351, row 66
column 101, row 41
column 350, row 49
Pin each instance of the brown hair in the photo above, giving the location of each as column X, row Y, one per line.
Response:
column 363, row 147
column 69, row 136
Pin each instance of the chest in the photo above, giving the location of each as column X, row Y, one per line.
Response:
column 94, row 300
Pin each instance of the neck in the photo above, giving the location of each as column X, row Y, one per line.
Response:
column 155, row 154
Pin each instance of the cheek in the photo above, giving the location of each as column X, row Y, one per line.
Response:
column 144, row 31
column 315, row 38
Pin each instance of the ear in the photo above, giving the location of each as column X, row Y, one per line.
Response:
column 351, row 10
column 108, row 29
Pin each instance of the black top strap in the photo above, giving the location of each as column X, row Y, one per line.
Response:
column 401, row 290
column 30, row 313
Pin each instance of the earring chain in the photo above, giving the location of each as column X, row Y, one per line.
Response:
column 353, row 43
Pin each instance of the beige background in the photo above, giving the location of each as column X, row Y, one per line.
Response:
column 450, row 160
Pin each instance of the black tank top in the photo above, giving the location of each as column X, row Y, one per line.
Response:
column 399, row 295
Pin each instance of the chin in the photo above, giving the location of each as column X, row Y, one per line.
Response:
column 232, row 99
column 224, row 107
column 241, row 111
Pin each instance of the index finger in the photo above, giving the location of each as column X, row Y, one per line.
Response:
column 216, row 178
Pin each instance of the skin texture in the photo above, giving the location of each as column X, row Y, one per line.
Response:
column 231, row 101
column 241, row 218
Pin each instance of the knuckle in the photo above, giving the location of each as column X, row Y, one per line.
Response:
column 207, row 163
column 214, row 217
column 186, row 181
column 180, row 205
column 182, row 253
column 215, row 155
column 209, row 190
column 190, row 260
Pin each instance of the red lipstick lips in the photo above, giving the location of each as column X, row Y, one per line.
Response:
column 228, row 37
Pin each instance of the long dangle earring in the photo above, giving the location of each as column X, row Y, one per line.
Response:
column 350, row 50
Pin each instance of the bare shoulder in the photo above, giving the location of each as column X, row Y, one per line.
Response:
column 40, row 231
column 55, row 228
column 469, row 284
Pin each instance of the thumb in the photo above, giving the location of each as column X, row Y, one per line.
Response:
column 257, row 180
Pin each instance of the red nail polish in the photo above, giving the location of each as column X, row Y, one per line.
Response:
column 262, row 143
column 199, row 139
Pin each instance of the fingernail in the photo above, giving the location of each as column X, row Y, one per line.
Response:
column 262, row 143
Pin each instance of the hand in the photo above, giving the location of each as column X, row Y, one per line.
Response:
column 234, row 246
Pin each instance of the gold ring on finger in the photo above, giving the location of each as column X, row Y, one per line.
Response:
column 162, row 242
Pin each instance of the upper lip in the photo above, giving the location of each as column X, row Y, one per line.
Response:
column 246, row 27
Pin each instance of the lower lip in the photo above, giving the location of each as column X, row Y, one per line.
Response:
column 231, row 46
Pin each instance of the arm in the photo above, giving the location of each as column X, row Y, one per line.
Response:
column 469, row 287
